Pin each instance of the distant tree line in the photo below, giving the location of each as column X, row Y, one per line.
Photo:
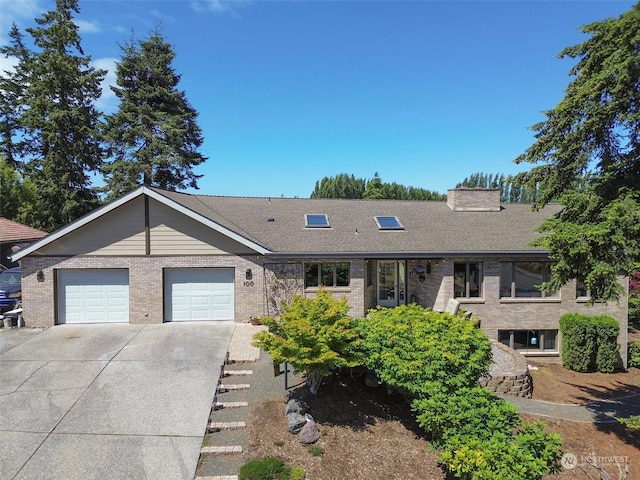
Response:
column 512, row 190
column 344, row 185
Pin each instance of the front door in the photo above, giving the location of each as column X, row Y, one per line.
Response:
column 391, row 283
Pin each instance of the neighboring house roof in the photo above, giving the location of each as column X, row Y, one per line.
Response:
column 276, row 226
column 14, row 232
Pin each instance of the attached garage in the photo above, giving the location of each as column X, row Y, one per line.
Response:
column 93, row 296
column 199, row 294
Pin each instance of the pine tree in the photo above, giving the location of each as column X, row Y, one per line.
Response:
column 153, row 138
column 13, row 85
column 593, row 129
column 59, row 121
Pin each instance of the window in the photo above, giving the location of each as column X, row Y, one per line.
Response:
column 467, row 280
column 316, row 220
column 521, row 280
column 388, row 223
column 530, row 341
column 326, row 275
column 581, row 290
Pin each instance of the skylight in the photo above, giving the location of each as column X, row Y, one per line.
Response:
column 316, row 220
column 388, row 223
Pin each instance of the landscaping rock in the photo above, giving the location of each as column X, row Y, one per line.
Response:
column 295, row 422
column 297, row 406
column 309, row 433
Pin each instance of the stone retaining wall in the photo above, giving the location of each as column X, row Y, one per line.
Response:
column 517, row 382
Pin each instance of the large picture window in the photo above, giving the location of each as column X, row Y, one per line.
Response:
column 530, row 341
column 522, row 279
column 467, row 280
column 326, row 274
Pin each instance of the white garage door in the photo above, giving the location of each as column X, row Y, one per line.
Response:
column 93, row 296
column 198, row 294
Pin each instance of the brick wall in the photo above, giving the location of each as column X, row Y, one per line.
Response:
column 525, row 313
column 147, row 302
column 146, row 299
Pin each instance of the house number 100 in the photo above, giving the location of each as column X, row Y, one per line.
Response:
column 248, row 283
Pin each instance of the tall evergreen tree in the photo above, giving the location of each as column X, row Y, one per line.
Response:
column 13, row 84
column 153, row 138
column 60, row 123
column 595, row 128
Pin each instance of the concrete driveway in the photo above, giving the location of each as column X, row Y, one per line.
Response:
column 109, row 401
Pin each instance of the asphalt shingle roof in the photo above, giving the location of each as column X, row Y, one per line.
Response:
column 11, row 232
column 430, row 228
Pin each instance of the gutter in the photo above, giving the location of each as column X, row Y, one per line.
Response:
column 400, row 254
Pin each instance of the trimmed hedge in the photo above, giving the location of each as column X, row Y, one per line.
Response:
column 589, row 342
column 634, row 354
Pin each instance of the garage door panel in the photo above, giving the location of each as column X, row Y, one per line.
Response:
column 199, row 294
column 93, row 296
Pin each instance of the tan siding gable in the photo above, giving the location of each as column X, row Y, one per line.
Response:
column 173, row 233
column 119, row 232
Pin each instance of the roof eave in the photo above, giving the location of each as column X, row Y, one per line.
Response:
column 410, row 255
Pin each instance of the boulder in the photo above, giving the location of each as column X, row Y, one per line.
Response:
column 295, row 422
column 309, row 433
column 297, row 406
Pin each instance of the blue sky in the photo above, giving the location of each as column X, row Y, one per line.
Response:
column 423, row 92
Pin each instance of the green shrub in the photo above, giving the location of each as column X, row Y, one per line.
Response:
column 632, row 422
column 589, row 342
column 421, row 352
column 470, row 413
column 607, row 347
column 316, row 450
column 578, row 342
column 436, row 359
column 634, row 354
column 529, row 456
column 297, row 473
column 270, row 468
column 313, row 335
column 634, row 310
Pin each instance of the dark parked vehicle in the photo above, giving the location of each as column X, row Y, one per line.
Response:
column 10, row 288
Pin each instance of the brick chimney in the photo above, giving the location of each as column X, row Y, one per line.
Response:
column 466, row 199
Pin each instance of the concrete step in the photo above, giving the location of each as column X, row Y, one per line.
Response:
column 215, row 426
column 221, row 405
column 218, row 477
column 226, row 387
column 230, row 373
column 222, row 449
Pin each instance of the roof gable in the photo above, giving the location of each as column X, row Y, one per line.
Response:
column 140, row 191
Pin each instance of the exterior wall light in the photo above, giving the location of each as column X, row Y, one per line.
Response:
column 248, row 274
column 40, row 276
